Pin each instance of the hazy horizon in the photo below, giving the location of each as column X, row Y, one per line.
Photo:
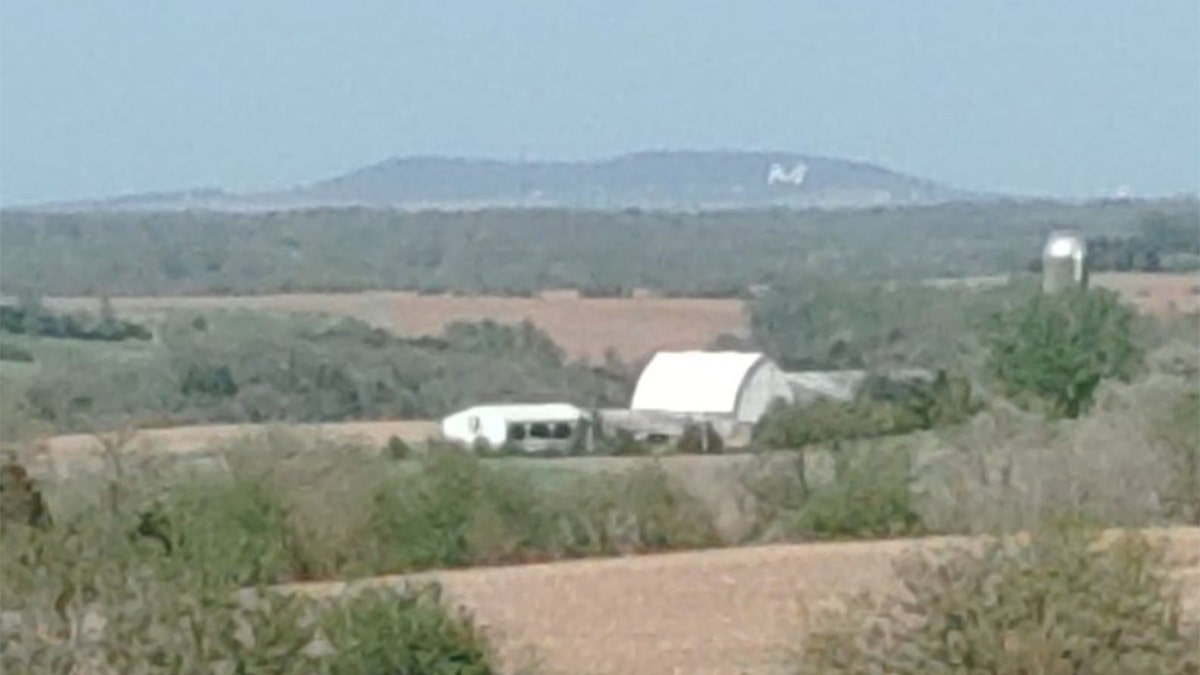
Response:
column 1078, row 99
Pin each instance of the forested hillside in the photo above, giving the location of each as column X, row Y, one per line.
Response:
column 520, row 251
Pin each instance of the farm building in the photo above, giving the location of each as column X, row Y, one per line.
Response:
column 844, row 385
column 660, row 427
column 535, row 426
column 739, row 386
column 731, row 390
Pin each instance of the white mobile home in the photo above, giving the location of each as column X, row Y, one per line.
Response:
column 534, row 426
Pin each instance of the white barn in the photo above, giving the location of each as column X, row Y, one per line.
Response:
column 534, row 426
column 736, row 387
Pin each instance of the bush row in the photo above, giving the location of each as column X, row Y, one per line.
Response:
column 33, row 319
column 519, row 251
column 90, row 600
column 246, row 367
column 1062, row 601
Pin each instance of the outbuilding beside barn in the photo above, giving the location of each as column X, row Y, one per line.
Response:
column 533, row 426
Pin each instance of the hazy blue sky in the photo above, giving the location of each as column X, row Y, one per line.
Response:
column 1048, row 97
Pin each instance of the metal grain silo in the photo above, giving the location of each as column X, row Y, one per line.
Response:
column 1064, row 262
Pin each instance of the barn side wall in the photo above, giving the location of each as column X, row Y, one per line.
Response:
column 764, row 383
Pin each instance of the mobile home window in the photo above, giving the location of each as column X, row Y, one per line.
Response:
column 516, row 432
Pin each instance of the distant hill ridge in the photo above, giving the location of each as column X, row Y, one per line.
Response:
column 682, row 180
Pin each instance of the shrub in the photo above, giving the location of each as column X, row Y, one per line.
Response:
column 828, row 421
column 1059, row 603
column 1059, row 347
column 34, row 319
column 869, row 496
column 426, row 519
column 884, row 405
column 1178, row 434
column 236, row 528
column 397, row 448
column 699, row 439
column 21, row 502
column 88, row 594
column 1124, row 463
column 457, row 510
column 864, row 489
column 381, row 632
column 15, row 353
column 622, row 443
column 639, row 510
column 289, row 509
column 82, row 602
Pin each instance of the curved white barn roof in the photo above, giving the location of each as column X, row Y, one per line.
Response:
column 694, row 382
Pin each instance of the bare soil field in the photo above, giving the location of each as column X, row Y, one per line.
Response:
column 721, row 612
column 60, row 455
column 1159, row 294
column 584, row 327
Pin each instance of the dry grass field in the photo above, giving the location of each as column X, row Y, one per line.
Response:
column 1160, row 294
column 62, row 455
column 585, row 327
column 722, row 612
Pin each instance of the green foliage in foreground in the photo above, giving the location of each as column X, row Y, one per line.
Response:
column 1057, row 348
column 870, row 496
column 290, row 509
column 90, row 596
column 282, row 508
column 1177, row 430
column 1061, row 603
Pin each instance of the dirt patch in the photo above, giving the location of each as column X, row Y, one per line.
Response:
column 1158, row 294
column 722, row 612
column 61, row 455
column 584, row 327
column 587, row 327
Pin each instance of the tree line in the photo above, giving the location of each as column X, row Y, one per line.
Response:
column 247, row 367
column 520, row 252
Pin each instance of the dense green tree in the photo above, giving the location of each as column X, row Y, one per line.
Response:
column 1057, row 348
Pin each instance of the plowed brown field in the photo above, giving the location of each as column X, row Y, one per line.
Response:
column 721, row 612
column 1160, row 294
column 586, row 327
column 64, row 454
column 715, row 612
